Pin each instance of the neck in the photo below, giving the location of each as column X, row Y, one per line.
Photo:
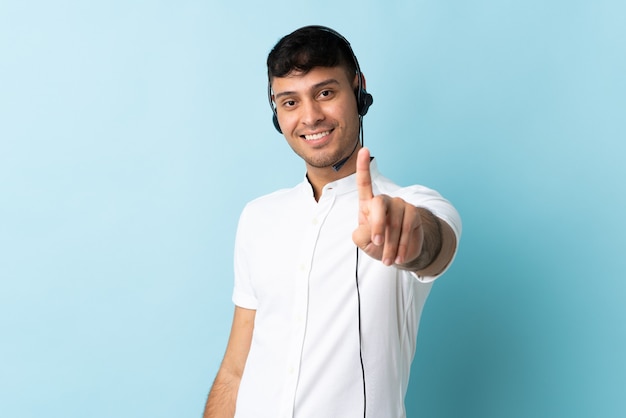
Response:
column 320, row 177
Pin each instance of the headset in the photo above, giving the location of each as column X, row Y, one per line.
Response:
column 363, row 99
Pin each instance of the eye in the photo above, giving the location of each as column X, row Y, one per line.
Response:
column 326, row 94
column 288, row 103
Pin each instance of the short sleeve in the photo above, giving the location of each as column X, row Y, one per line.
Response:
column 243, row 291
column 431, row 200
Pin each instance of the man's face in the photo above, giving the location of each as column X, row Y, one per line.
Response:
column 317, row 113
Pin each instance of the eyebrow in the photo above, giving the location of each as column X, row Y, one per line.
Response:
column 314, row 87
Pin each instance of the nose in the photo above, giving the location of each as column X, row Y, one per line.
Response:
column 312, row 113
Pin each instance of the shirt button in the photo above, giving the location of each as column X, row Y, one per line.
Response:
column 314, row 221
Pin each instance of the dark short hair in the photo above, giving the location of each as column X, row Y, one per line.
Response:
column 307, row 48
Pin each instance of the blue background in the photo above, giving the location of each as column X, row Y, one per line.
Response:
column 133, row 132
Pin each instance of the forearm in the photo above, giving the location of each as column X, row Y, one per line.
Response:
column 438, row 246
column 223, row 396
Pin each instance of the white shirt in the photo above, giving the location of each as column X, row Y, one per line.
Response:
column 295, row 264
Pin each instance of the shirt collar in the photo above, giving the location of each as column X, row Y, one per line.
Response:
column 343, row 185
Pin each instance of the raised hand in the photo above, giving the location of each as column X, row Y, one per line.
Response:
column 390, row 229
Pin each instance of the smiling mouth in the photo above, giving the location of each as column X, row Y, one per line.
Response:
column 314, row 137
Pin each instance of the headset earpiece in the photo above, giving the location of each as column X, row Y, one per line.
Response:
column 364, row 101
column 276, row 124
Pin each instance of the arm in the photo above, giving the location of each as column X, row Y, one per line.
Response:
column 398, row 233
column 438, row 246
column 223, row 394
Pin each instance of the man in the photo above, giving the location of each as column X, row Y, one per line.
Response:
column 331, row 275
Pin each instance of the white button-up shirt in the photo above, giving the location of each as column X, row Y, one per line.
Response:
column 296, row 265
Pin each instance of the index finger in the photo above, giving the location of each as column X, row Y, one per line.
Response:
column 363, row 176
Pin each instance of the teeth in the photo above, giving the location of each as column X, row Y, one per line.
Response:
column 316, row 136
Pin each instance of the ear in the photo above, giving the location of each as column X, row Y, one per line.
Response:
column 355, row 82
